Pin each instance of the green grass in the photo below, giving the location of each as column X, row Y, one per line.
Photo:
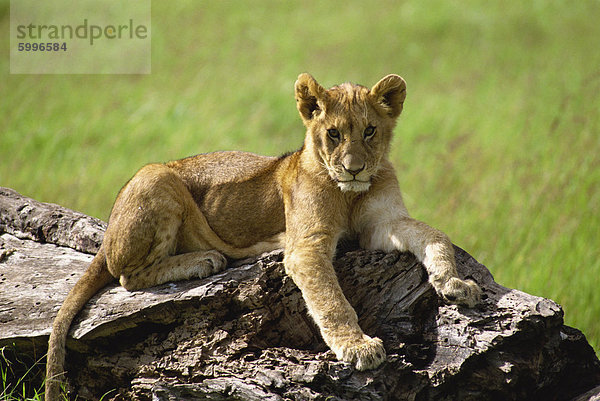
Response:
column 498, row 144
column 20, row 379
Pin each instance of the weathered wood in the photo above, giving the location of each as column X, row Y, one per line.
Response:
column 245, row 334
column 46, row 222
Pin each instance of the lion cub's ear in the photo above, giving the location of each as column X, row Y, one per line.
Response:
column 390, row 93
column 310, row 97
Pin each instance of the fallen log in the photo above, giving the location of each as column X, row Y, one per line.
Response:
column 245, row 334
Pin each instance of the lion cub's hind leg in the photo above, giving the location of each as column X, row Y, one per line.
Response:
column 190, row 265
column 144, row 243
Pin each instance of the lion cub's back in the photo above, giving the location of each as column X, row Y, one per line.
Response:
column 222, row 167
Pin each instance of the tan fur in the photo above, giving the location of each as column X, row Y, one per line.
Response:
column 179, row 220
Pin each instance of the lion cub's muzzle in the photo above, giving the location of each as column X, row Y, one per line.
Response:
column 351, row 174
column 356, row 180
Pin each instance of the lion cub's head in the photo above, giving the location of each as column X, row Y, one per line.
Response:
column 349, row 127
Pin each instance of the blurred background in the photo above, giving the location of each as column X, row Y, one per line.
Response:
column 498, row 144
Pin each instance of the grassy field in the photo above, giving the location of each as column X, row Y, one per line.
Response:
column 498, row 144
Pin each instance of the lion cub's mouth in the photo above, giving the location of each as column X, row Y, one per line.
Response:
column 360, row 182
column 353, row 185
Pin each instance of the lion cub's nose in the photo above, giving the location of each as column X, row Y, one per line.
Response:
column 353, row 164
column 353, row 169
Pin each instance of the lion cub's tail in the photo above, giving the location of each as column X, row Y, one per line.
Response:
column 95, row 278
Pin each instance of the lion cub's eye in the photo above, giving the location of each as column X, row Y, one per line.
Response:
column 369, row 132
column 333, row 133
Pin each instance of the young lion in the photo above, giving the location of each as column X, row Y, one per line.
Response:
column 179, row 220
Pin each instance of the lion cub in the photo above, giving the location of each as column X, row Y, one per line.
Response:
column 180, row 220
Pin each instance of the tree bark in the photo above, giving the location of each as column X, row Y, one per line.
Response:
column 245, row 334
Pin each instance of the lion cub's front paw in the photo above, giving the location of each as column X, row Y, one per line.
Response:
column 367, row 353
column 461, row 292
